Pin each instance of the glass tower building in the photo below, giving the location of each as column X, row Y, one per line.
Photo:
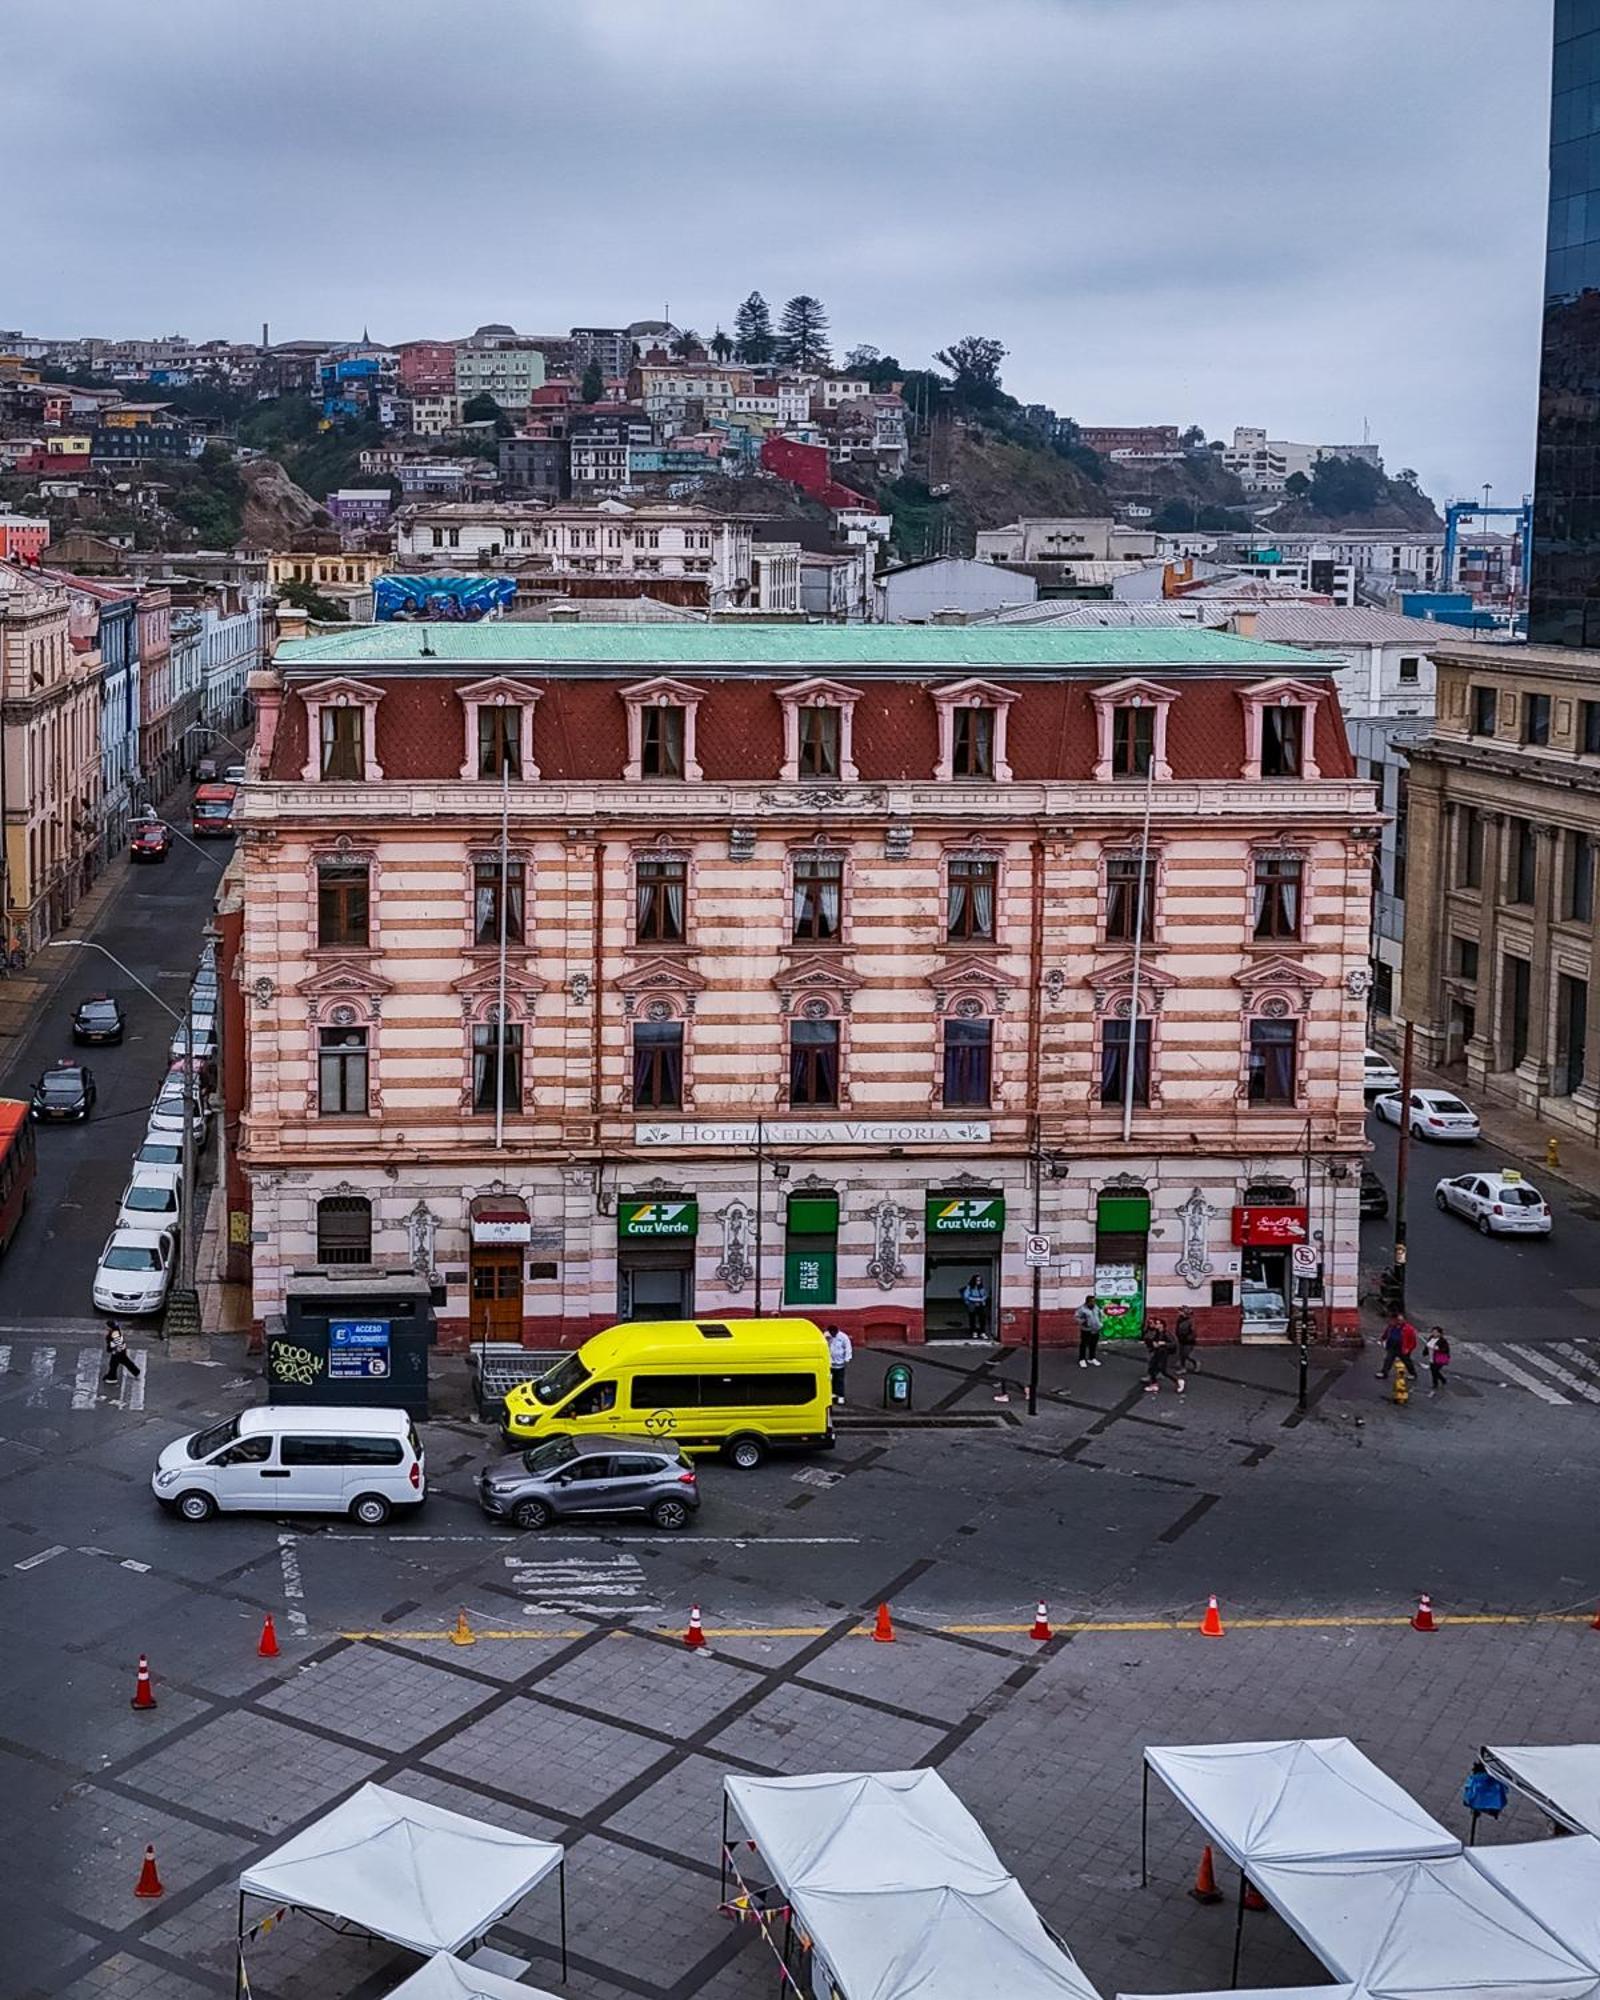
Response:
column 1564, row 608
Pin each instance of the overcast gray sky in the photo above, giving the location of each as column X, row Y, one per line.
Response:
column 1300, row 213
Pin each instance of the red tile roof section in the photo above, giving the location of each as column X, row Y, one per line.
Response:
column 580, row 731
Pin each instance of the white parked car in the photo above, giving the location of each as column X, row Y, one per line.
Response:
column 166, row 1114
column 134, row 1271
column 1501, row 1204
column 1378, row 1075
column 1434, row 1114
column 150, row 1200
column 200, row 1039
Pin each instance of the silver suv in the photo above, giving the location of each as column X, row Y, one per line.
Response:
column 567, row 1478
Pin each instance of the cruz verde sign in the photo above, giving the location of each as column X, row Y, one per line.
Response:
column 666, row 1215
column 962, row 1214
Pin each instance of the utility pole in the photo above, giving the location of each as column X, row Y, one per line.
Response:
column 1402, row 1158
column 1303, row 1288
column 1037, row 1274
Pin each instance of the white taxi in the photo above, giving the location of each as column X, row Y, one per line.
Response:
column 1501, row 1204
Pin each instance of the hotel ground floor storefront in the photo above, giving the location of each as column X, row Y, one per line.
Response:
column 882, row 1230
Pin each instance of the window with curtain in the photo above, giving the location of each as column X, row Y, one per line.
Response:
column 496, row 1066
column 1122, row 897
column 1133, row 741
column 819, row 742
column 499, row 742
column 968, row 1063
column 969, row 898
column 1282, row 742
column 972, row 744
column 342, row 906
column 658, row 1065
column 660, row 894
column 342, row 1072
column 493, row 883
column 1273, row 1050
column 1114, row 1043
column 344, row 1229
column 661, row 742
column 1277, row 895
column 344, row 743
column 814, row 1063
column 818, row 889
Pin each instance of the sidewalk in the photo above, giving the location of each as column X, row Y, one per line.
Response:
column 23, row 994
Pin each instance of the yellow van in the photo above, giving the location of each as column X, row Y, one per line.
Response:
column 738, row 1386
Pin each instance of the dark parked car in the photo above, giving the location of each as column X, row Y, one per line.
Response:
column 64, row 1093
column 152, row 839
column 566, row 1478
column 1374, row 1195
column 98, row 1021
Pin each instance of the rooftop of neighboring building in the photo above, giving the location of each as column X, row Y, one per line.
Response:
column 1345, row 625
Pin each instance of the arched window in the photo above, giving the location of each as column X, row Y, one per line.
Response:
column 344, row 1229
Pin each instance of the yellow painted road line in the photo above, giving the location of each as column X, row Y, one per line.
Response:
column 1088, row 1628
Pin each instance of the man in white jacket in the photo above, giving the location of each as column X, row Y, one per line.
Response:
column 839, row 1352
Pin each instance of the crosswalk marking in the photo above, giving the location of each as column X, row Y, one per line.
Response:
column 1533, row 1367
column 602, row 1585
column 78, row 1377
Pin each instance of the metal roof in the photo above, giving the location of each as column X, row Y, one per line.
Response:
column 1341, row 625
column 786, row 649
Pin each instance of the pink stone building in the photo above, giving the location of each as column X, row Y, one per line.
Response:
column 608, row 971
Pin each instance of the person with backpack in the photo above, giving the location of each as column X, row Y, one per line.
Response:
column 1186, row 1343
column 1399, row 1344
column 1090, row 1326
column 1437, row 1350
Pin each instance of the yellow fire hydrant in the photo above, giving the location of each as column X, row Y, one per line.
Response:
column 1552, row 1155
column 1402, row 1381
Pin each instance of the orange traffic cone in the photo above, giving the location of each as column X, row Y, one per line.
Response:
column 144, row 1695
column 1422, row 1617
column 268, row 1648
column 1205, row 1888
column 461, row 1633
column 883, row 1627
column 1041, row 1623
column 1253, row 1898
column 695, row 1636
column 149, row 1883
column 1211, row 1624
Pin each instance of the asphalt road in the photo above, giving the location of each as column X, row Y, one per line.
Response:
column 153, row 926
column 1487, row 1288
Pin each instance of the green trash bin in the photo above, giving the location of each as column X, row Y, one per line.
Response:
column 897, row 1386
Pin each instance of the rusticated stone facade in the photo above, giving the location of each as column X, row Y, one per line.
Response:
column 778, row 969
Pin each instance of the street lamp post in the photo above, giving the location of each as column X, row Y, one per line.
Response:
column 184, row 1304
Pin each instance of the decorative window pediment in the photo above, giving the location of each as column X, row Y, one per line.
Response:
column 1296, row 757
column 811, row 976
column 803, row 742
column 1112, row 985
column 662, row 693
column 484, row 744
column 660, row 978
column 341, row 726
column 969, row 977
column 1278, row 978
column 480, row 988
column 344, row 982
column 983, row 696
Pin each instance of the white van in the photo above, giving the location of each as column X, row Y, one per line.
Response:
column 280, row 1460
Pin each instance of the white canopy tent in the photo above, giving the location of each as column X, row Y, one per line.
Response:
column 1562, row 1779
column 446, row 1978
column 398, row 1868
column 1300, row 1799
column 1555, row 1881
column 897, row 1888
column 1409, row 1927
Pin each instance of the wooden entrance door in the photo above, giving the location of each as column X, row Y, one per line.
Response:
column 496, row 1294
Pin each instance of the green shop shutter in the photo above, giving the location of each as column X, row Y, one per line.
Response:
column 1123, row 1214
column 813, row 1215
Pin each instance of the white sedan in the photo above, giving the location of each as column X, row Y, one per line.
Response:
column 1500, row 1204
column 134, row 1271
column 150, row 1200
column 1434, row 1114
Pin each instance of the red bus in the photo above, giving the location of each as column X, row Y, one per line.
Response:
column 212, row 811
column 16, row 1165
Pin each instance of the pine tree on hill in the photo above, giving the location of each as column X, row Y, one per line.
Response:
column 592, row 388
column 803, row 333
column 752, row 331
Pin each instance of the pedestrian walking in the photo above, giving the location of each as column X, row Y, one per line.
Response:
column 1399, row 1344
column 1159, row 1345
column 1437, row 1349
column 1090, row 1325
column 975, row 1297
column 840, row 1350
column 117, row 1355
column 1186, row 1341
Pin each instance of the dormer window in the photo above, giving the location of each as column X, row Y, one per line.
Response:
column 499, row 725
column 344, row 753
column 340, row 720
column 972, row 732
column 661, row 731
column 972, row 753
column 818, row 723
column 1280, row 719
column 499, row 743
column 1131, row 718
column 1133, row 741
column 819, row 743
